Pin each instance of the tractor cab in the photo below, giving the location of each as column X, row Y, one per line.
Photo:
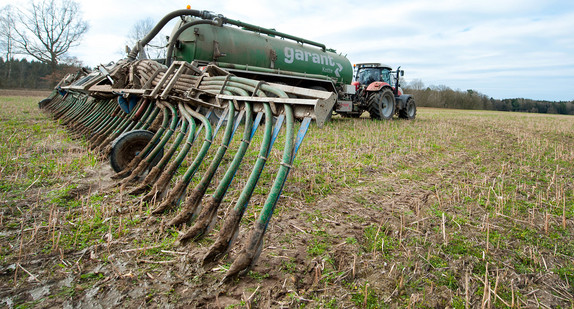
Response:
column 367, row 73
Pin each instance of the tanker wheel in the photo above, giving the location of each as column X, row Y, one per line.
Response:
column 381, row 105
column 127, row 146
column 410, row 110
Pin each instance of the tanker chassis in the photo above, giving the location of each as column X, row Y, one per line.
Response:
column 265, row 54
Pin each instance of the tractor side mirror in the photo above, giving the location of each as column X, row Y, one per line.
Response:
column 402, row 73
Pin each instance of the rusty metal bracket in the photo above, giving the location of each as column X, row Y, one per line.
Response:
column 261, row 82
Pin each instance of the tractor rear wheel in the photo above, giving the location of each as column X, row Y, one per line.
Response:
column 381, row 105
column 410, row 110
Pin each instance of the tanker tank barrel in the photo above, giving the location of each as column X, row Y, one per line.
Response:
column 175, row 36
column 207, row 17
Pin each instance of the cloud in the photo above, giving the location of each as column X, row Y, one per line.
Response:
column 500, row 48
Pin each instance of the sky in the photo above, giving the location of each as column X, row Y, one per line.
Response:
column 500, row 48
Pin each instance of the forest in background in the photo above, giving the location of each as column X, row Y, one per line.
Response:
column 445, row 97
column 32, row 75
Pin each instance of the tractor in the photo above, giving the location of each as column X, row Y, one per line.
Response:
column 378, row 91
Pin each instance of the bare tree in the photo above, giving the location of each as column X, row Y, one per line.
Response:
column 7, row 36
column 49, row 29
column 417, row 84
column 156, row 48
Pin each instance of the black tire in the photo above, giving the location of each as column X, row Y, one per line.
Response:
column 381, row 104
column 127, row 146
column 410, row 110
column 320, row 88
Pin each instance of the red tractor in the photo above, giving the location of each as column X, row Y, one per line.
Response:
column 378, row 91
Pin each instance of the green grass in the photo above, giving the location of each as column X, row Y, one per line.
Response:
column 32, row 148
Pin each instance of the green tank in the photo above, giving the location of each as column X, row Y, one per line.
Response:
column 252, row 46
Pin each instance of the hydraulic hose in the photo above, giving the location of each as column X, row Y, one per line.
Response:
column 163, row 181
column 178, row 191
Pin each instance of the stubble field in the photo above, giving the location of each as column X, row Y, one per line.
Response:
column 462, row 209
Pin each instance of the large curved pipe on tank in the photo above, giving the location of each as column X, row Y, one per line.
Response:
column 216, row 22
column 271, row 32
column 186, row 12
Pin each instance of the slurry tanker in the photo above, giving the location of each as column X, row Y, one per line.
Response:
column 157, row 120
column 265, row 54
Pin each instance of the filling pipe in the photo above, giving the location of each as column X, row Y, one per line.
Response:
column 167, row 18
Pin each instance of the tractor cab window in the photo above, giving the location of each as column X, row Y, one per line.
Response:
column 366, row 76
column 386, row 76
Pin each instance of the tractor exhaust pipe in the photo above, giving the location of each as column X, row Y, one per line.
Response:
column 396, row 90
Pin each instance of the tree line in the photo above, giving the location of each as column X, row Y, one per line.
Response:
column 445, row 97
column 24, row 74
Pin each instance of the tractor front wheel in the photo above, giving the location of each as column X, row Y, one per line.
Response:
column 381, row 105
